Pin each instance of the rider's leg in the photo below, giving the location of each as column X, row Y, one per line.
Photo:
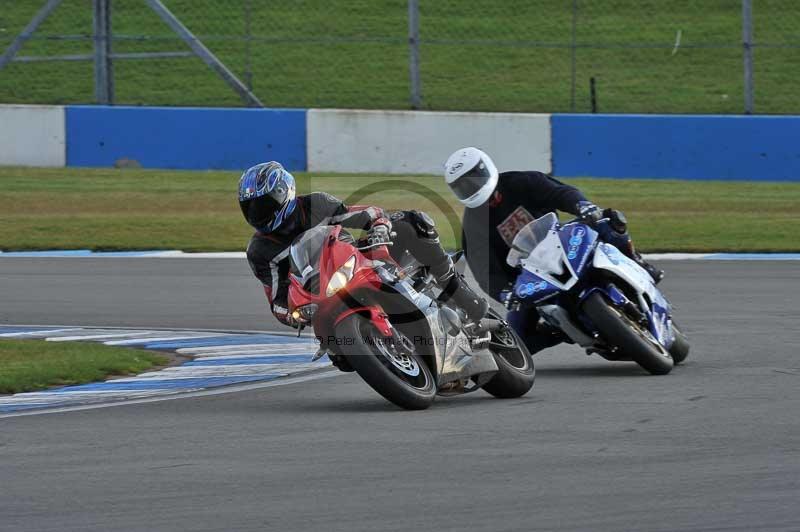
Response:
column 616, row 234
column 525, row 323
column 417, row 234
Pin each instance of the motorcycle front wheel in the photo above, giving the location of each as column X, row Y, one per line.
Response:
column 631, row 338
column 680, row 347
column 402, row 378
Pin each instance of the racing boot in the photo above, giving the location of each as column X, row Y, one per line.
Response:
column 456, row 292
column 654, row 272
column 618, row 236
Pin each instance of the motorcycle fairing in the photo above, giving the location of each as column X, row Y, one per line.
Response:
column 549, row 262
column 578, row 241
column 530, row 286
column 651, row 301
column 561, row 257
column 453, row 361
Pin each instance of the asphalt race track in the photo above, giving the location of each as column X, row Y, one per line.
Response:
column 596, row 446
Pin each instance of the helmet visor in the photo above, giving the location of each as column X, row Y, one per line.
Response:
column 471, row 181
column 260, row 212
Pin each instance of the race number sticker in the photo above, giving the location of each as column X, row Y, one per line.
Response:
column 511, row 225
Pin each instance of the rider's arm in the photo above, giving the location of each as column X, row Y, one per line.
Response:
column 333, row 211
column 537, row 191
column 358, row 216
column 272, row 269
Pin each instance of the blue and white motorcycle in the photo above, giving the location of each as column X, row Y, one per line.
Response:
column 596, row 296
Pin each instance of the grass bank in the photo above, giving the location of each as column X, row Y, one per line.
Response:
column 30, row 365
column 110, row 209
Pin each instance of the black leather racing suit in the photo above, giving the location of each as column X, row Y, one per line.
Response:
column 488, row 230
column 268, row 254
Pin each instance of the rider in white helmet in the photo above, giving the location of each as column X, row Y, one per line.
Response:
column 499, row 205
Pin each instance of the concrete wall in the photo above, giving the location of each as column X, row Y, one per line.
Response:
column 755, row 148
column 185, row 138
column 32, row 135
column 418, row 142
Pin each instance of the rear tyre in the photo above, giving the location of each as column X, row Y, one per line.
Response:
column 680, row 347
column 632, row 340
column 403, row 379
column 516, row 373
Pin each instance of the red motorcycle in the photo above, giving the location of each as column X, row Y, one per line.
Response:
column 384, row 320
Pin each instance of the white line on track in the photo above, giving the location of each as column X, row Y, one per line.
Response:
column 130, row 334
column 252, row 354
column 165, row 339
column 250, row 348
column 33, row 334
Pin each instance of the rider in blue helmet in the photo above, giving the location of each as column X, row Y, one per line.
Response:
column 270, row 204
column 267, row 196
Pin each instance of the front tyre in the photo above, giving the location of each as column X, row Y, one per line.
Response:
column 516, row 374
column 680, row 347
column 403, row 379
column 632, row 340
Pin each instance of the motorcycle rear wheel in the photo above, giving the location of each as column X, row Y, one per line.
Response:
column 401, row 378
column 632, row 340
column 516, row 373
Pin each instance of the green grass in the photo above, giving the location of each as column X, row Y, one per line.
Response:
column 29, row 365
column 111, row 209
column 509, row 55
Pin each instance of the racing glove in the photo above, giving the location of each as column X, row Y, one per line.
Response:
column 380, row 233
column 589, row 212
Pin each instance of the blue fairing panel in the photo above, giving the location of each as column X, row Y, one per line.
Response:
column 533, row 288
column 578, row 241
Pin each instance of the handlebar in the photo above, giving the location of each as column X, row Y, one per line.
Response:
column 371, row 246
column 587, row 222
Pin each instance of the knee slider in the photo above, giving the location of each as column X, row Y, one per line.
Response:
column 424, row 225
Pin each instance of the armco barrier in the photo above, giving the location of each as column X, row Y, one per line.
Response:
column 757, row 148
column 418, row 142
column 185, row 138
column 32, row 135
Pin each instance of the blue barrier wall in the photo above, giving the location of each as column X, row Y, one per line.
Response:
column 759, row 148
column 185, row 138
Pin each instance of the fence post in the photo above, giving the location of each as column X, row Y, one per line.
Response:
column 573, row 50
column 248, row 65
column 103, row 70
column 747, row 45
column 413, row 51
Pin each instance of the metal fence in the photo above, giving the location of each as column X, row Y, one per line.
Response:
column 632, row 56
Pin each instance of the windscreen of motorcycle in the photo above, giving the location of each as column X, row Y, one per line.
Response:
column 306, row 252
column 529, row 237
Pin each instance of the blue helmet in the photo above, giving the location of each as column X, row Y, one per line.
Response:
column 266, row 196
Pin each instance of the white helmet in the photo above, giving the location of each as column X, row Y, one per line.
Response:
column 471, row 175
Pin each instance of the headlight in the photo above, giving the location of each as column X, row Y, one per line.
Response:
column 341, row 277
